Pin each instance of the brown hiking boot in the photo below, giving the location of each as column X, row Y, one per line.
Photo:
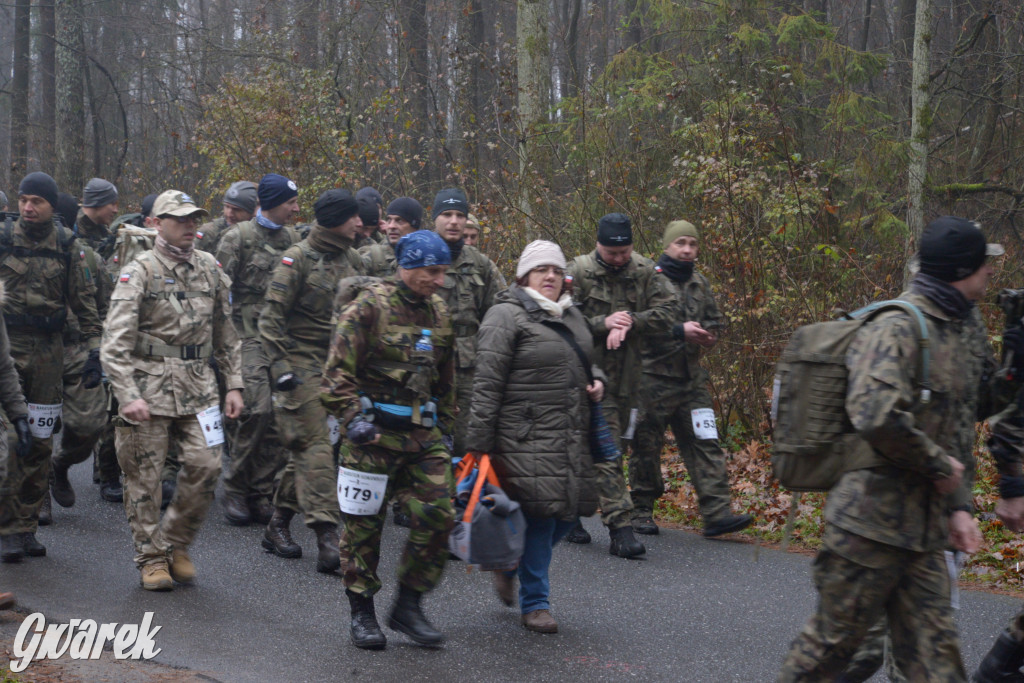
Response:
column 236, row 510
column 155, row 577
column 182, row 569
column 505, row 587
column 540, row 621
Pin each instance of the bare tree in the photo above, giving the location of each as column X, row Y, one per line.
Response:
column 70, row 131
column 19, row 87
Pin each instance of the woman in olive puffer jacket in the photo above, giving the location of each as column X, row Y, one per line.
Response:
column 531, row 413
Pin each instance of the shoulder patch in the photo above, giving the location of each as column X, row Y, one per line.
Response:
column 218, row 264
column 287, row 260
column 199, row 234
column 125, row 277
column 81, row 254
column 657, row 269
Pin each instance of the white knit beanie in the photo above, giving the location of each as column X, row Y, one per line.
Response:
column 539, row 253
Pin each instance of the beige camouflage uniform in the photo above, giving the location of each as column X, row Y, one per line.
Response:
column 166, row 319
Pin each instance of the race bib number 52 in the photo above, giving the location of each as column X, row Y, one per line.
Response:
column 360, row 493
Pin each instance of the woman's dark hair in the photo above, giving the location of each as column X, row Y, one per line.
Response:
column 567, row 284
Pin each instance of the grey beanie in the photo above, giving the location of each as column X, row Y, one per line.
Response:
column 98, row 192
column 243, row 195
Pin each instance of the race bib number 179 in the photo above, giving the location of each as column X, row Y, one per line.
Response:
column 360, row 493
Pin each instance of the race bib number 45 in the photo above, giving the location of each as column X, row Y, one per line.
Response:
column 360, row 493
column 213, row 426
column 704, row 423
column 42, row 419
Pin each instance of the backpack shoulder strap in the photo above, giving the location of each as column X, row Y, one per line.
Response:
column 923, row 344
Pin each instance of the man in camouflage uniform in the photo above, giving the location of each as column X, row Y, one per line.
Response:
column 169, row 315
column 403, row 217
column 392, row 387
column 676, row 395
column 239, row 206
column 295, row 328
column 371, row 213
column 45, row 279
column 249, row 252
column 622, row 298
column 84, row 412
column 890, row 520
column 471, row 233
column 469, row 289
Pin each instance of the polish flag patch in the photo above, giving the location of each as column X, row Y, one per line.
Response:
column 199, row 234
column 125, row 277
column 287, row 260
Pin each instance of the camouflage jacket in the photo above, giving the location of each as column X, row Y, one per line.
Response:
column 295, row 325
column 892, row 499
column 11, row 397
column 248, row 252
column 101, row 287
column 209, row 234
column 376, row 237
column 166, row 320
column 45, row 281
column 99, row 237
column 469, row 288
column 373, row 353
column 638, row 289
column 379, row 259
column 665, row 355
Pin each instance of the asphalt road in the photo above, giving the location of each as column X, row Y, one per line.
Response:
column 693, row 610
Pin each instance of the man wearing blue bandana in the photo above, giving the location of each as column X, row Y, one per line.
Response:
column 389, row 381
column 249, row 252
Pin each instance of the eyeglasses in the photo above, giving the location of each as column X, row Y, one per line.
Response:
column 555, row 270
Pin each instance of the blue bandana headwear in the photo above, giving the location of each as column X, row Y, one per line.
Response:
column 275, row 190
column 421, row 249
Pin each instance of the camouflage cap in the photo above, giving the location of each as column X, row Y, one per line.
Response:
column 176, row 203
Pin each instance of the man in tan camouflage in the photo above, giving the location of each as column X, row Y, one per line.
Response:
column 169, row 314
column 889, row 522
column 295, row 329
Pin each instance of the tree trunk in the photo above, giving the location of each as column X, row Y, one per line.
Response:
column 573, row 79
column 19, row 89
column 920, row 123
column 47, row 76
column 69, row 171
column 533, row 57
column 866, row 29
column 413, row 20
column 307, row 34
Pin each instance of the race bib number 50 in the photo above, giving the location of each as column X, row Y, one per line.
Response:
column 360, row 493
column 42, row 419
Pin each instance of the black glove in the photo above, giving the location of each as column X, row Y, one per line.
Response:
column 1013, row 341
column 24, row 437
column 679, row 330
column 92, row 373
column 361, row 431
column 287, row 382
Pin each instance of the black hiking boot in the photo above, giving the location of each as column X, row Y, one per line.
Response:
column 112, row 492
column 60, row 486
column 33, row 548
column 1003, row 662
column 407, row 617
column 645, row 526
column 328, row 559
column 366, row 631
column 727, row 525
column 277, row 538
column 578, row 535
column 624, row 543
column 236, row 510
column 12, row 548
column 46, row 510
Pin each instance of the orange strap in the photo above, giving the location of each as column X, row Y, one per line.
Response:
column 465, row 468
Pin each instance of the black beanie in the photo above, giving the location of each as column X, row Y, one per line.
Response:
column 369, row 211
column 407, row 208
column 614, row 230
column 952, row 248
column 450, row 199
column 147, row 205
column 40, row 185
column 335, row 207
column 370, row 193
column 67, row 209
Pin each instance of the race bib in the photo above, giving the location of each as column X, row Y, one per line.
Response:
column 333, row 429
column 704, row 423
column 634, row 413
column 213, row 426
column 42, row 418
column 360, row 493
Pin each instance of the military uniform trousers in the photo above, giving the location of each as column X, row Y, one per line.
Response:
column 256, row 455
column 669, row 403
column 84, row 413
column 464, row 404
column 422, row 478
column 39, row 359
column 910, row 588
column 141, row 449
column 613, row 496
column 309, row 482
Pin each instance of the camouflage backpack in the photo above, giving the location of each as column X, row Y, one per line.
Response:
column 814, row 440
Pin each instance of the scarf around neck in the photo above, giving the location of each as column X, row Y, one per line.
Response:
column 323, row 240
column 266, row 222
column 555, row 308
column 675, row 270
column 944, row 295
column 176, row 254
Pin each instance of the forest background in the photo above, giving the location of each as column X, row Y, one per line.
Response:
column 787, row 130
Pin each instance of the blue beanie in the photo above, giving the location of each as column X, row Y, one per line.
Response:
column 275, row 190
column 421, row 249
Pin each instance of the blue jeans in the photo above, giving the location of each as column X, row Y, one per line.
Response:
column 542, row 534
